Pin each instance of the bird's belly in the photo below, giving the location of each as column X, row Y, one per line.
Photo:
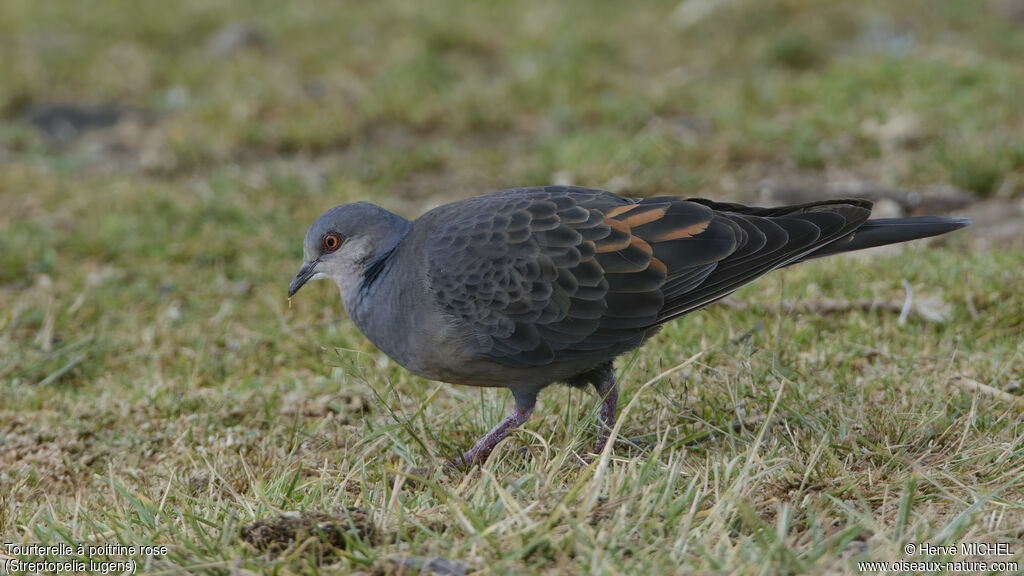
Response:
column 486, row 373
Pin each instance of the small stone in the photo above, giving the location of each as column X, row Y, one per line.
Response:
column 887, row 208
column 562, row 178
column 436, row 566
column 900, row 131
column 234, row 37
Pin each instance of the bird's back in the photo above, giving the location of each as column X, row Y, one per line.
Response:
column 564, row 278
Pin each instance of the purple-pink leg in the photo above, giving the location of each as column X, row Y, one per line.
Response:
column 609, row 394
column 479, row 452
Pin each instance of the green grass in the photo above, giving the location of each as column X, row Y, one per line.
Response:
column 157, row 388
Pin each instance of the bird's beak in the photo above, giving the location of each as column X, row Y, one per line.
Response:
column 305, row 274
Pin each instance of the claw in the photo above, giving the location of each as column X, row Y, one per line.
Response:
column 482, row 449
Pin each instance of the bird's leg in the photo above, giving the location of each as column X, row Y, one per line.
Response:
column 519, row 415
column 609, row 394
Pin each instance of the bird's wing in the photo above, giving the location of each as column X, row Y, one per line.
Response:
column 550, row 273
column 538, row 274
column 766, row 239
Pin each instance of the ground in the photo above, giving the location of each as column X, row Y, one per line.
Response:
column 160, row 162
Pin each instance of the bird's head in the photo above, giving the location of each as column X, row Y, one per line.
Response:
column 344, row 241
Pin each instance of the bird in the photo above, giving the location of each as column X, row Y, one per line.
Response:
column 527, row 287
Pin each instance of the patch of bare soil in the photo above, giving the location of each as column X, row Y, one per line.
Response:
column 310, row 533
column 895, row 202
column 996, row 221
column 110, row 137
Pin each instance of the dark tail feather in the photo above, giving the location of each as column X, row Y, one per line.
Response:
column 882, row 231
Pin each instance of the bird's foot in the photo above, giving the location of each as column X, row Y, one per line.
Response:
column 483, row 448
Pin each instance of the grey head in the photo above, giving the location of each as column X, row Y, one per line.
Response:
column 344, row 242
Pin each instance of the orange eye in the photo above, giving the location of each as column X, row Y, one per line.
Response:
column 331, row 242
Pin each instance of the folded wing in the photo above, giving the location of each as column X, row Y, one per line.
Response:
column 568, row 273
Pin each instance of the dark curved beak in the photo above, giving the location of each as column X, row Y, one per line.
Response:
column 307, row 271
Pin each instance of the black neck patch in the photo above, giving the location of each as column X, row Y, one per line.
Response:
column 375, row 268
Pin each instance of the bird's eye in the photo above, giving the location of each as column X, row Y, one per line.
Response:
column 331, row 242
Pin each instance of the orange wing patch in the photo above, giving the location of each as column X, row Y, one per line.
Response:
column 644, row 217
column 639, row 243
column 617, row 225
column 618, row 240
column 626, row 253
column 619, row 210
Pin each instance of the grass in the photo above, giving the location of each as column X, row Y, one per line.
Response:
column 156, row 388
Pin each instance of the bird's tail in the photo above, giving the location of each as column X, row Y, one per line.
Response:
column 882, row 231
